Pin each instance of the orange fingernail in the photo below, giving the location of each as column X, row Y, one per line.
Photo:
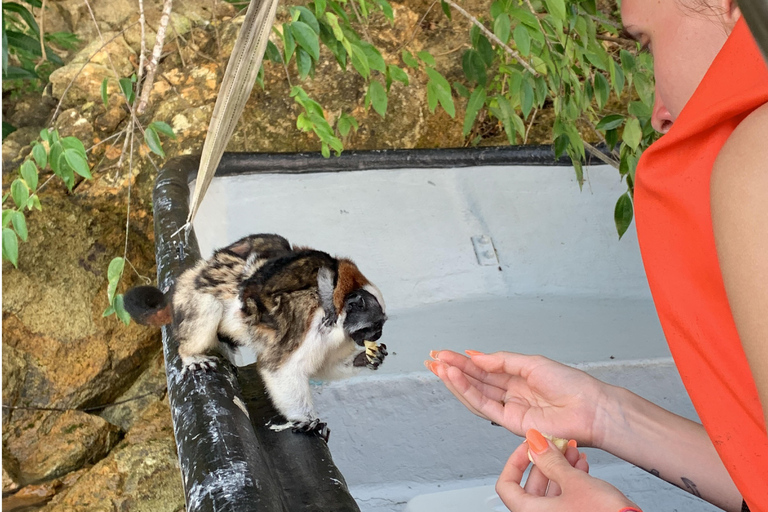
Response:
column 572, row 443
column 583, row 456
column 473, row 352
column 433, row 353
column 536, row 441
column 430, row 366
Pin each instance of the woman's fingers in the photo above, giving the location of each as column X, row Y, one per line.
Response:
column 508, row 485
column 440, row 370
column 466, row 365
column 491, row 409
column 537, row 483
column 572, row 456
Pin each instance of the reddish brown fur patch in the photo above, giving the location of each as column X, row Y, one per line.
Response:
column 350, row 279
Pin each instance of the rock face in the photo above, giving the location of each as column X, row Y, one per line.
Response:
column 53, row 444
column 140, row 474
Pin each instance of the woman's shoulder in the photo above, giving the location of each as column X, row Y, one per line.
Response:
column 745, row 154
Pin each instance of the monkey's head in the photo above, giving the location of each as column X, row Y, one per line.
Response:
column 351, row 297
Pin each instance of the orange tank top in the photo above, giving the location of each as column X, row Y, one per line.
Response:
column 677, row 243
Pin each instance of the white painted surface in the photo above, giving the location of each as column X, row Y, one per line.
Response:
column 564, row 287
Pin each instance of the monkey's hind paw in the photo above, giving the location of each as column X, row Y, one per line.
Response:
column 314, row 425
column 198, row 363
column 374, row 354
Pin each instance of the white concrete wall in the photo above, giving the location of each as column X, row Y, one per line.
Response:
column 410, row 230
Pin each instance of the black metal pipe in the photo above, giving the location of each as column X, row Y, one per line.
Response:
column 229, row 460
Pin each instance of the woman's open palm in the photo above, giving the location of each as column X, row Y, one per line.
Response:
column 521, row 392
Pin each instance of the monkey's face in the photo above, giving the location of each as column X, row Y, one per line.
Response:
column 365, row 316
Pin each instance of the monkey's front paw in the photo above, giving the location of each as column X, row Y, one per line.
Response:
column 197, row 363
column 374, row 354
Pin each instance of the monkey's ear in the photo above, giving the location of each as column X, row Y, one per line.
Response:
column 325, row 286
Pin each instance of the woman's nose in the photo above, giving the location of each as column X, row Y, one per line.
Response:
column 661, row 119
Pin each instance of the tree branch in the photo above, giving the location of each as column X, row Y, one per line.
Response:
column 158, row 49
column 493, row 37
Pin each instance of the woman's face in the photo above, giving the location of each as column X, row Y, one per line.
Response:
column 684, row 38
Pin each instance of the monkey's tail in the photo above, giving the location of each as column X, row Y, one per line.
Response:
column 147, row 305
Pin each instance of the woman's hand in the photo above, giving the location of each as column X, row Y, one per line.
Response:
column 522, row 392
column 559, row 484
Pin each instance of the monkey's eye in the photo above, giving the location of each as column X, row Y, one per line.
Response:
column 356, row 303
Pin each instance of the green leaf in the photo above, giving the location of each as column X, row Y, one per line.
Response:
column 426, row 58
column 8, row 129
column 114, row 271
column 617, row 77
column 109, row 311
column 622, row 214
column 308, row 17
column 319, row 6
column 333, row 21
column 431, row 96
column 375, row 60
column 522, row 40
column 74, row 144
column 627, row 61
column 40, row 156
column 526, row 98
column 54, row 158
column 153, row 141
column 80, row 164
column 644, row 88
column 639, row 109
column 163, row 128
column 104, row 97
column 610, row 122
column 461, row 90
column 122, row 314
column 474, row 67
column 20, row 225
column 25, row 14
column 66, row 173
column 7, row 216
column 602, row 90
column 303, row 63
column 378, row 97
column 34, row 202
column 475, row 103
column 306, row 38
column 272, row 53
column 126, row 85
column 397, row 74
column 632, row 133
column 386, row 8
column 502, row 26
column 45, row 135
column 289, row 43
column 11, row 246
column 19, row 193
column 485, row 49
column 556, row 8
column 29, row 172
column 446, row 9
column 409, row 60
column 360, row 61
column 441, row 91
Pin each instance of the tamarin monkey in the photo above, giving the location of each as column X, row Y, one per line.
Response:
column 307, row 315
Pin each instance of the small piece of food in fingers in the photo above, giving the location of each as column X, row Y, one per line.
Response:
column 559, row 442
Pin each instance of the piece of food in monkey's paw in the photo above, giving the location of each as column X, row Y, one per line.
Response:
column 559, row 442
column 374, row 354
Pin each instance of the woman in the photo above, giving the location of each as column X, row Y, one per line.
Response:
column 702, row 226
